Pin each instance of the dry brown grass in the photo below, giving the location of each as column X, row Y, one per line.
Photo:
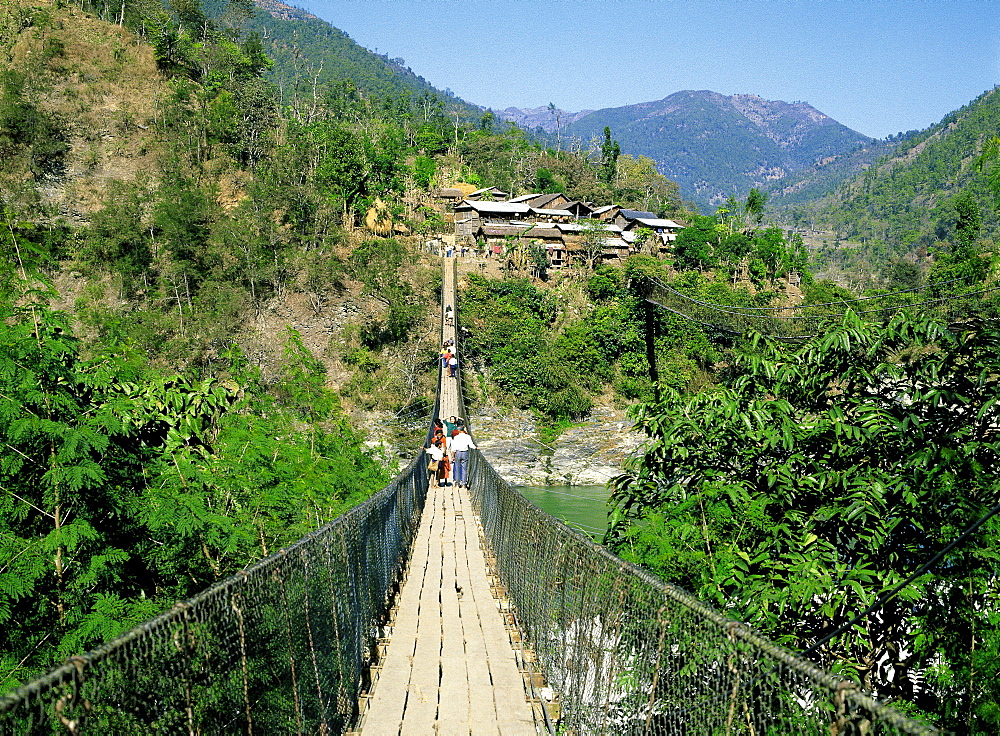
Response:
column 99, row 83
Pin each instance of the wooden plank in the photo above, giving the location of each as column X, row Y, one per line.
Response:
column 478, row 669
column 454, row 707
column 422, row 692
column 449, row 667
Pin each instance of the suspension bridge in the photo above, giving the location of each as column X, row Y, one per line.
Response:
column 444, row 610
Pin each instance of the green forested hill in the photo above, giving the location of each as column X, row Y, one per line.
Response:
column 307, row 50
column 904, row 202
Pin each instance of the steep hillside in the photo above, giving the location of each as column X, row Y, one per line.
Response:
column 308, row 51
column 716, row 145
column 825, row 176
column 77, row 111
column 904, row 200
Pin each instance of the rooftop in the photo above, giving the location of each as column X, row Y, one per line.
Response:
column 551, row 213
column 655, row 222
column 510, row 208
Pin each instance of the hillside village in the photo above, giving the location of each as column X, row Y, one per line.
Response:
column 519, row 230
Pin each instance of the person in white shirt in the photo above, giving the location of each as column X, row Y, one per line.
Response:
column 461, row 443
column 436, row 466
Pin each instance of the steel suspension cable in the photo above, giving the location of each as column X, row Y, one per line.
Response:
column 725, row 309
column 827, row 304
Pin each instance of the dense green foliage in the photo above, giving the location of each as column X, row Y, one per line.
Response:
column 816, row 478
column 552, row 349
column 125, row 490
column 144, row 457
column 733, row 240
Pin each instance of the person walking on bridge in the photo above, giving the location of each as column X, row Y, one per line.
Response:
column 435, row 465
column 461, row 443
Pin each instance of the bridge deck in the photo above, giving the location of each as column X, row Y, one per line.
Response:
column 449, row 666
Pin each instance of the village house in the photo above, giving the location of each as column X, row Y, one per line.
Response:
column 470, row 215
column 626, row 219
column 539, row 214
column 607, row 213
column 665, row 230
column 447, row 195
column 557, row 256
column 578, row 209
column 496, row 238
column 549, row 201
column 616, row 249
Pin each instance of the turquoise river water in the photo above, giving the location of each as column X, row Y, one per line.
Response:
column 582, row 507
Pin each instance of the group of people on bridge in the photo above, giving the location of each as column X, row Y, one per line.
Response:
column 449, row 453
column 449, row 361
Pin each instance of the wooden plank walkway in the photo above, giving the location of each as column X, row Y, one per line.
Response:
column 449, row 666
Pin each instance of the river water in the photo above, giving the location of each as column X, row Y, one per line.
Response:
column 581, row 507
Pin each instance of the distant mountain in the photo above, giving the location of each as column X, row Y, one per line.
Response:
column 715, row 145
column 540, row 117
column 307, row 49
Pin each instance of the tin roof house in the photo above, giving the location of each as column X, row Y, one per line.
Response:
column 471, row 214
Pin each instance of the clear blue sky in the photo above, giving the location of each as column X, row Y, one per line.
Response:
column 877, row 67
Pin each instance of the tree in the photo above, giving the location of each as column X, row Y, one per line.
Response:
column 119, row 240
column 771, row 251
column 557, row 114
column 989, row 161
column 693, row 248
column 546, row 183
column 816, row 479
column 754, row 207
column 424, row 169
column 182, row 220
column 963, row 260
column 639, row 185
column 593, row 238
column 903, row 274
column 610, row 151
column 487, row 121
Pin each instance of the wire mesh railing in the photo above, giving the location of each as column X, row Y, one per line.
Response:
column 282, row 647
column 285, row 645
column 628, row 654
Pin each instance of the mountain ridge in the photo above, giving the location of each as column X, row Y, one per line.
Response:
column 718, row 145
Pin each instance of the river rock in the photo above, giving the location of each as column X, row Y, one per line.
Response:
column 589, row 454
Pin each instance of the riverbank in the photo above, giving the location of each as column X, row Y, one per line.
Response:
column 591, row 453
